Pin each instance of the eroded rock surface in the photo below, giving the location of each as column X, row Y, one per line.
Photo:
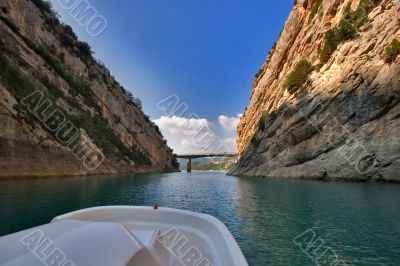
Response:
column 344, row 122
column 45, row 54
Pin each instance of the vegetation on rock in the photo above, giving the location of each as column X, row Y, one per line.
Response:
column 315, row 8
column 175, row 162
column 10, row 24
column 255, row 141
column 261, row 122
column 43, row 5
column 214, row 165
column 392, row 51
column 259, row 73
column 20, row 85
column 67, row 37
column 347, row 28
column 4, row 10
column 299, row 76
column 85, row 49
column 97, row 128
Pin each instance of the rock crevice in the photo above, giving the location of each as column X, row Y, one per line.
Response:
column 39, row 53
column 341, row 124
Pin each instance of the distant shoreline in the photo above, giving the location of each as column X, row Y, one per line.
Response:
column 223, row 171
column 139, row 171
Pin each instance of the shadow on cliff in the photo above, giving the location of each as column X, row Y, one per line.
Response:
column 349, row 132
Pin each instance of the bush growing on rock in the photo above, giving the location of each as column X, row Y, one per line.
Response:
column 261, row 122
column 256, row 142
column 298, row 77
column 85, row 49
column 392, row 51
column 67, row 36
column 135, row 101
column 369, row 5
column 98, row 130
column 258, row 73
column 18, row 85
column 315, row 9
column 175, row 162
column 346, row 31
column 10, row 24
column 347, row 28
column 333, row 37
column 42, row 5
column 330, row 45
column 4, row 10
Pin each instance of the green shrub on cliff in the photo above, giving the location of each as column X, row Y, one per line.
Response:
column 369, row 5
column 135, row 101
column 298, row 77
column 214, row 165
column 10, row 24
column 333, row 37
column 345, row 31
column 347, row 28
column 315, row 8
column 98, row 130
column 261, row 122
column 52, row 89
column 42, row 5
column 330, row 45
column 392, row 51
column 258, row 73
column 175, row 162
column 85, row 49
column 67, row 36
column 18, row 85
column 81, row 86
column 256, row 142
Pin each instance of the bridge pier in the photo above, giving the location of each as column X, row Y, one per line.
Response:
column 189, row 157
column 189, row 165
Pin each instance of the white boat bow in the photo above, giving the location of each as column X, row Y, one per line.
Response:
column 124, row 235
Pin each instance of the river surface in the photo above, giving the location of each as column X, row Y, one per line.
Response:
column 359, row 222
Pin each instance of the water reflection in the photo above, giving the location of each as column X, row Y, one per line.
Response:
column 359, row 221
column 352, row 218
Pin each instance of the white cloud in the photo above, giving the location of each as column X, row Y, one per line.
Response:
column 189, row 135
column 229, row 123
column 230, row 142
column 176, row 125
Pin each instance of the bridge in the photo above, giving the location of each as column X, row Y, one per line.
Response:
column 189, row 157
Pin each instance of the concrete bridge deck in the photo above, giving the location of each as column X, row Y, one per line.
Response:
column 189, row 157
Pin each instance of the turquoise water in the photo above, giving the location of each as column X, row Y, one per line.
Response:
column 360, row 222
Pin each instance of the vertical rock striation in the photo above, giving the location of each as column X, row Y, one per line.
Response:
column 40, row 53
column 343, row 122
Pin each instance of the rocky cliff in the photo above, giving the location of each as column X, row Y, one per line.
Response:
column 325, row 104
column 61, row 111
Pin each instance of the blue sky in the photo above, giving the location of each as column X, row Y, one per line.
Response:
column 205, row 52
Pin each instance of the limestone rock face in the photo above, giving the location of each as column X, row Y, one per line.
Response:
column 344, row 122
column 45, row 55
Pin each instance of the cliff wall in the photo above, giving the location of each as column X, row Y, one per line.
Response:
column 337, row 117
column 38, row 53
